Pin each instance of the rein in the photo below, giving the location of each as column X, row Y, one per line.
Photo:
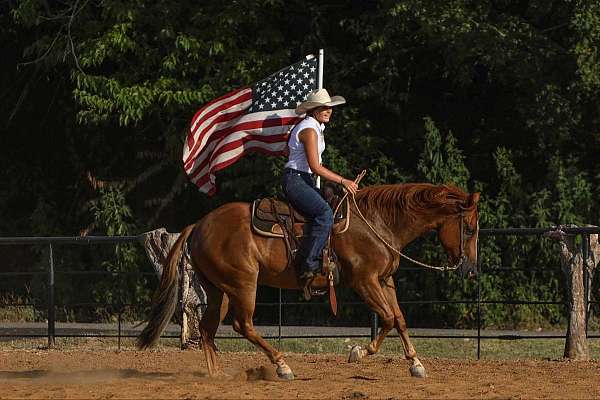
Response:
column 458, row 263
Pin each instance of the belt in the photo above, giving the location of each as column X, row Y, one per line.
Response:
column 295, row 171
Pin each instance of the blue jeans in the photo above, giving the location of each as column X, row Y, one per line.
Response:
column 300, row 190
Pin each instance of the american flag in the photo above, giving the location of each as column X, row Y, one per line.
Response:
column 250, row 119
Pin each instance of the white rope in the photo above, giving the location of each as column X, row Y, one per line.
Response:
column 390, row 246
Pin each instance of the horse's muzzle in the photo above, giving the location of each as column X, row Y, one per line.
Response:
column 466, row 268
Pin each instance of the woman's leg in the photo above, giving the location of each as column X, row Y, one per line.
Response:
column 319, row 215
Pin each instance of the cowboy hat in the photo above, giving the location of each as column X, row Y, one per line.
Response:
column 318, row 98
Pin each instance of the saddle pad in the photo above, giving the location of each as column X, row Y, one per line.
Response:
column 264, row 210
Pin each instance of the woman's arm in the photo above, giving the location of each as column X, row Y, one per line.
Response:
column 308, row 137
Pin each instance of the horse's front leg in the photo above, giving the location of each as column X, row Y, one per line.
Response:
column 416, row 368
column 374, row 296
column 385, row 303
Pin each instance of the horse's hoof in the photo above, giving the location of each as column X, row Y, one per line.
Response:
column 356, row 353
column 418, row 371
column 220, row 374
column 287, row 376
column 284, row 371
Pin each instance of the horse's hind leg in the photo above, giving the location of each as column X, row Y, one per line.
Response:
column 212, row 317
column 416, row 368
column 242, row 303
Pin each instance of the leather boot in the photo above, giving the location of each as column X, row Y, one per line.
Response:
column 319, row 281
column 312, row 282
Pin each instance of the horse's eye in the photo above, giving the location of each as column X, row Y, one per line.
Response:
column 468, row 230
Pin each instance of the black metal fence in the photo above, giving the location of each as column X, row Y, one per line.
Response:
column 53, row 242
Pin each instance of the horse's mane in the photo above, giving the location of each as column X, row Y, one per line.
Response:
column 410, row 199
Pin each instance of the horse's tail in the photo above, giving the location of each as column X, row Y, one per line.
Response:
column 165, row 297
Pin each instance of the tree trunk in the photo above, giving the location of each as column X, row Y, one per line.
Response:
column 579, row 279
column 576, row 346
column 192, row 298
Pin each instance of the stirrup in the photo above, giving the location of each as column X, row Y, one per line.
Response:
column 308, row 291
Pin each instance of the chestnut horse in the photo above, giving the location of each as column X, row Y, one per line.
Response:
column 231, row 260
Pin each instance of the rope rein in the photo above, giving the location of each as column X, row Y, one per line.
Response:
column 360, row 214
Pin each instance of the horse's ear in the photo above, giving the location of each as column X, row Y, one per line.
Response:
column 474, row 198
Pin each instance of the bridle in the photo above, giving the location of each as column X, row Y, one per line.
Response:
column 461, row 257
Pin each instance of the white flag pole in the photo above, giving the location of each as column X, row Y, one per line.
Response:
column 320, row 86
column 320, row 82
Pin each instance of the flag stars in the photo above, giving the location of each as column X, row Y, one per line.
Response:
column 286, row 88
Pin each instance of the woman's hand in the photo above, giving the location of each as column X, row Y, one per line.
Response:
column 349, row 185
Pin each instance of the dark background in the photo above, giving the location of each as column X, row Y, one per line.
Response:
column 500, row 97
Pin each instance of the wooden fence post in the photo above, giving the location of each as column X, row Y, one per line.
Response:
column 572, row 264
column 192, row 298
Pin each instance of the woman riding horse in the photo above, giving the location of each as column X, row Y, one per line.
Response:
column 306, row 145
column 231, row 260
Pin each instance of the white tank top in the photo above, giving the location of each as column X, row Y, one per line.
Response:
column 297, row 157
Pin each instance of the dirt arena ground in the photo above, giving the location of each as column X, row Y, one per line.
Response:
column 170, row 373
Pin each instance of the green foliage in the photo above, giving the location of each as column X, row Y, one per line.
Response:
column 111, row 210
column 114, row 215
column 586, row 24
column 573, row 193
column 441, row 161
column 497, row 97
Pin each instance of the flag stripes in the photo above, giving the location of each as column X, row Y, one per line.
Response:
column 261, row 130
column 245, row 120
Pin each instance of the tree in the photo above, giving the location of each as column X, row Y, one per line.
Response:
column 99, row 96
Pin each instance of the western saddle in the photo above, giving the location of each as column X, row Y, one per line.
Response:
column 278, row 219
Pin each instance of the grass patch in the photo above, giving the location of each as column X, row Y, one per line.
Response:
column 447, row 348
column 491, row 349
column 17, row 313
